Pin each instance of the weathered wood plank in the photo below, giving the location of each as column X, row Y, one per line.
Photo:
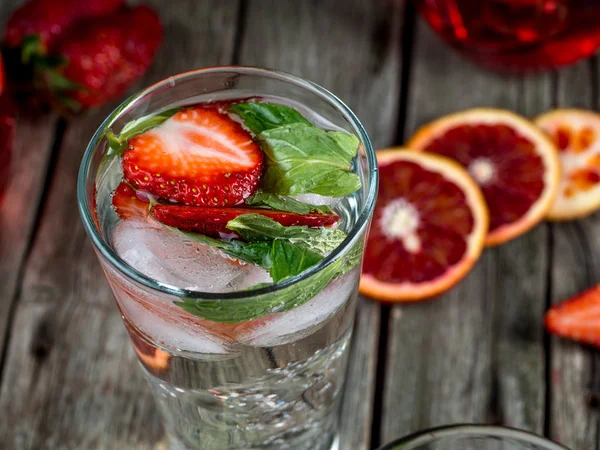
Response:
column 453, row 359
column 30, row 158
column 575, row 266
column 517, row 276
column 71, row 378
column 358, row 60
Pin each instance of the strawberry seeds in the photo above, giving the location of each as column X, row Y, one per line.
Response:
column 199, row 157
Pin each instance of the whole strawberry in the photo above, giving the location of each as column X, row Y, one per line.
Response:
column 43, row 21
column 103, row 57
column 7, row 132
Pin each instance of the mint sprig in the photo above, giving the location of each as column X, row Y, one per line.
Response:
column 283, row 203
column 300, row 158
column 304, row 159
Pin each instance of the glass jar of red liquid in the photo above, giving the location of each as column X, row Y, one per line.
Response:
column 517, row 35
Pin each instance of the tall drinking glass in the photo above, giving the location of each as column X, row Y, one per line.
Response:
column 473, row 437
column 273, row 382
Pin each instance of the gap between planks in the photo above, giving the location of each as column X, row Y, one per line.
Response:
column 59, row 130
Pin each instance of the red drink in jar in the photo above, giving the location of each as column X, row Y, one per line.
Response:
column 517, row 35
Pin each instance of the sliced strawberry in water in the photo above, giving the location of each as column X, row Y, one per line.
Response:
column 153, row 358
column 197, row 157
column 128, row 204
column 213, row 221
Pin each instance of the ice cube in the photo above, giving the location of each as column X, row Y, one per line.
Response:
column 171, row 330
column 316, row 199
column 170, row 258
column 297, row 323
column 163, row 322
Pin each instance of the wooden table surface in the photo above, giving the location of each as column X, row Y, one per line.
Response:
column 68, row 375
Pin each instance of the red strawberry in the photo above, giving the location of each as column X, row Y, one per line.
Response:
column 197, row 157
column 104, row 56
column 577, row 318
column 48, row 19
column 127, row 204
column 7, row 137
column 213, row 221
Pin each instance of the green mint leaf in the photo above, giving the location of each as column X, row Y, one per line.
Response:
column 118, row 143
column 289, row 260
column 345, row 141
column 256, row 227
column 257, row 306
column 257, row 253
column 282, row 203
column 259, row 117
column 305, row 159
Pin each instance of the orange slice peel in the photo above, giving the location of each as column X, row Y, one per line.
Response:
column 576, row 133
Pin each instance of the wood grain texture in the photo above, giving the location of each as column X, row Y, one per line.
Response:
column 575, row 370
column 353, row 49
column 476, row 353
column 517, row 276
column 28, row 170
column 30, row 157
column 71, row 378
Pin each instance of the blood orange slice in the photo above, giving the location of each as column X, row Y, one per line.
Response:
column 576, row 133
column 515, row 164
column 429, row 227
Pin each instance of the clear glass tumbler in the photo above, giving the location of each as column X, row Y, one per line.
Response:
column 274, row 382
column 472, row 437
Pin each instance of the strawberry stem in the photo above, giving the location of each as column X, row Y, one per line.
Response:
column 32, row 48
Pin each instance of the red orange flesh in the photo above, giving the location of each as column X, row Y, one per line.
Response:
column 428, row 229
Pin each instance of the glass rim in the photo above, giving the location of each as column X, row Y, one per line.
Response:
column 472, row 430
column 124, row 268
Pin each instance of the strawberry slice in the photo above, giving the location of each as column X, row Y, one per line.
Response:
column 127, row 203
column 197, row 157
column 213, row 221
column 577, row 318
